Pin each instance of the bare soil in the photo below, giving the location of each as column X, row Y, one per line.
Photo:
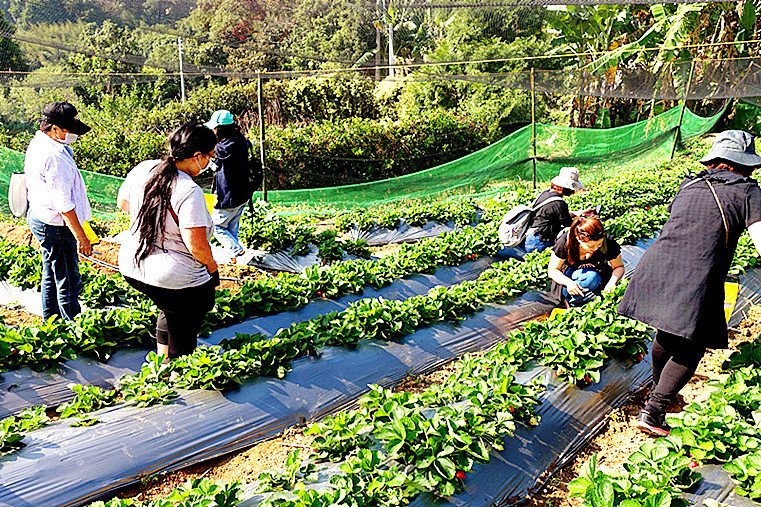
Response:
column 384, row 250
column 244, row 466
column 19, row 318
column 17, row 234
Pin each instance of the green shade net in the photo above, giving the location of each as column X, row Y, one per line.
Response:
column 506, row 161
column 510, row 160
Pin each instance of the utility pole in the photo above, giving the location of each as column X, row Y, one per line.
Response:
column 391, row 57
column 378, row 42
column 390, row 27
column 261, row 134
column 182, row 74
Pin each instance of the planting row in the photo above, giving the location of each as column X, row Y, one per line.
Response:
column 250, row 356
column 21, row 266
column 721, row 430
column 99, row 332
column 397, row 445
column 262, row 229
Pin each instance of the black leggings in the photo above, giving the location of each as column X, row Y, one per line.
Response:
column 181, row 313
column 675, row 360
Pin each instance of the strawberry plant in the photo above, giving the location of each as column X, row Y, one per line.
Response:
column 88, row 399
column 195, row 492
column 13, row 428
column 746, row 471
column 295, row 469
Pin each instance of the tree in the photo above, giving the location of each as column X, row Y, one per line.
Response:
column 331, row 34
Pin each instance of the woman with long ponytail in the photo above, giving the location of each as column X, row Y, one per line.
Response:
column 167, row 255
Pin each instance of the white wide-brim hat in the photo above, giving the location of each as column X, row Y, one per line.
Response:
column 568, row 178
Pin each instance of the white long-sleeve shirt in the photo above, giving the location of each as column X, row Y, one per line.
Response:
column 54, row 184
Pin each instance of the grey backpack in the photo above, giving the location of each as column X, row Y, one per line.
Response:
column 515, row 223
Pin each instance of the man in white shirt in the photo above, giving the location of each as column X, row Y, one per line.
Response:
column 58, row 206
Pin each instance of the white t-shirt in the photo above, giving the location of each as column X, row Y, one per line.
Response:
column 170, row 265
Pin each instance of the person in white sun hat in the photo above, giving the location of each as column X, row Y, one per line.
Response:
column 552, row 215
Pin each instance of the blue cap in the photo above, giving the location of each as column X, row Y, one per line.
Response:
column 221, row 117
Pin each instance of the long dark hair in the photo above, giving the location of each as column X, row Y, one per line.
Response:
column 184, row 142
column 590, row 227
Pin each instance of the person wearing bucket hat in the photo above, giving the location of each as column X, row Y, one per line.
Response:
column 58, row 206
column 552, row 217
column 678, row 286
column 231, row 184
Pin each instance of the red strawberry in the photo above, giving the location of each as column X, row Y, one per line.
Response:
column 587, row 379
column 460, row 475
column 693, row 464
column 511, row 409
column 640, row 357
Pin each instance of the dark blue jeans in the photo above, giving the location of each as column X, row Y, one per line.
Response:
column 60, row 269
column 590, row 280
column 534, row 244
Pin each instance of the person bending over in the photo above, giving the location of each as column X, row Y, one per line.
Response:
column 678, row 286
column 553, row 216
column 585, row 262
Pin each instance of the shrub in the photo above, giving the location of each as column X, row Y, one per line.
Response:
column 356, row 150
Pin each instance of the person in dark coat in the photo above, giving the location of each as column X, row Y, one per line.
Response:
column 678, row 286
column 231, row 183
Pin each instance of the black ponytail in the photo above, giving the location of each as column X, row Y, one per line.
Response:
column 184, row 142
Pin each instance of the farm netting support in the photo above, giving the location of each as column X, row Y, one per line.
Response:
column 507, row 159
column 511, row 158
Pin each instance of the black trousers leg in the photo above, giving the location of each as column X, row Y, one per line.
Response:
column 684, row 356
column 182, row 312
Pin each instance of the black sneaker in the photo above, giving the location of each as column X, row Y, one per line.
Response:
column 655, row 424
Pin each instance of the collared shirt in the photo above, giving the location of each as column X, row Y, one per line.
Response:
column 54, row 184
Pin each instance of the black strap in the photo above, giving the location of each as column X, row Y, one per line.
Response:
column 718, row 203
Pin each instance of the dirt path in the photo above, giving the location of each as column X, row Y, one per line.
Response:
column 14, row 317
column 17, row 234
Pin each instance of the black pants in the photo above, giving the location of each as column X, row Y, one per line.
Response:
column 675, row 360
column 181, row 313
